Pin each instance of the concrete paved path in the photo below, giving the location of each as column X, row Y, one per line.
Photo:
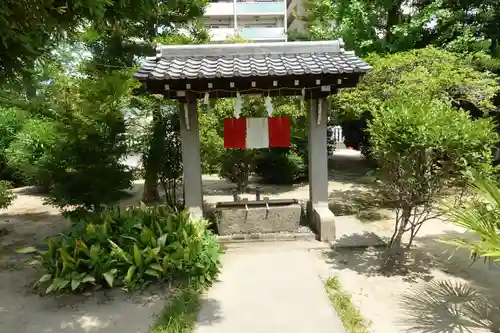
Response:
column 270, row 288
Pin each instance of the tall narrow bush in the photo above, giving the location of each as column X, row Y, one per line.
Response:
column 424, row 147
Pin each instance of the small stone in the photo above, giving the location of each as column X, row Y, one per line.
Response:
column 238, row 237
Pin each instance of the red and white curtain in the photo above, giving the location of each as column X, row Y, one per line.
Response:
column 257, row 132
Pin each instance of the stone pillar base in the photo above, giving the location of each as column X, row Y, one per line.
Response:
column 196, row 213
column 322, row 221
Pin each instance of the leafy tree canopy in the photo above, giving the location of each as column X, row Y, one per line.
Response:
column 129, row 29
column 29, row 29
column 430, row 72
column 390, row 26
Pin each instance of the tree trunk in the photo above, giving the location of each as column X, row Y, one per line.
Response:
column 393, row 18
column 29, row 84
column 397, row 240
column 494, row 48
column 152, row 160
column 395, row 252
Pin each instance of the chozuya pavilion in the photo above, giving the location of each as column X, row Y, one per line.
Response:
column 313, row 70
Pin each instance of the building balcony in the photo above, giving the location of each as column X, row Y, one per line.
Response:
column 260, row 8
column 220, row 9
column 262, row 33
column 245, row 8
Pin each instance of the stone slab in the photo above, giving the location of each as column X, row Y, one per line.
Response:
column 257, row 220
column 352, row 233
column 268, row 237
column 268, row 288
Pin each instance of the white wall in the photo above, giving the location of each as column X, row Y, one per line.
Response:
column 219, row 9
column 261, row 21
column 222, row 23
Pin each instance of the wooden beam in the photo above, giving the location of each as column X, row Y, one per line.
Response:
column 273, row 86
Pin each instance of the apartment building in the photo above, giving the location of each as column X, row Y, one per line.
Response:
column 256, row 20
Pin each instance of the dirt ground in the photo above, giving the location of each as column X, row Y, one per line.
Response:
column 437, row 294
column 26, row 223
column 439, row 290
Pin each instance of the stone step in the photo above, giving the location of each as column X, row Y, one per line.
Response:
column 268, row 237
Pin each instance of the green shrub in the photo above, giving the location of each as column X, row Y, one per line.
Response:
column 74, row 146
column 280, row 166
column 6, row 194
column 446, row 76
column 84, row 163
column 128, row 247
column 171, row 159
column 424, row 147
column 237, row 165
column 29, row 149
column 11, row 121
column 479, row 216
column 212, row 144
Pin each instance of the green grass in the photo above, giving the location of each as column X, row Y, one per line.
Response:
column 179, row 315
column 351, row 317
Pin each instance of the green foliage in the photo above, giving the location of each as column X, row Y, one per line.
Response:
column 154, row 149
column 295, row 110
column 479, row 19
column 370, row 25
column 280, row 166
column 351, row 317
column 11, row 121
column 161, row 150
column 424, row 146
column 74, row 150
column 211, row 143
column 483, row 62
column 85, row 165
column 130, row 30
column 171, row 167
column 383, row 27
column 430, row 71
column 180, row 312
column 128, row 247
column 158, row 140
column 480, row 216
column 404, row 125
column 392, row 26
column 357, row 22
column 236, row 39
column 237, row 166
column 6, row 194
column 30, row 29
column 197, row 34
column 31, row 149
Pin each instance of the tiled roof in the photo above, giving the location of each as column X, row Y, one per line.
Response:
column 253, row 59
